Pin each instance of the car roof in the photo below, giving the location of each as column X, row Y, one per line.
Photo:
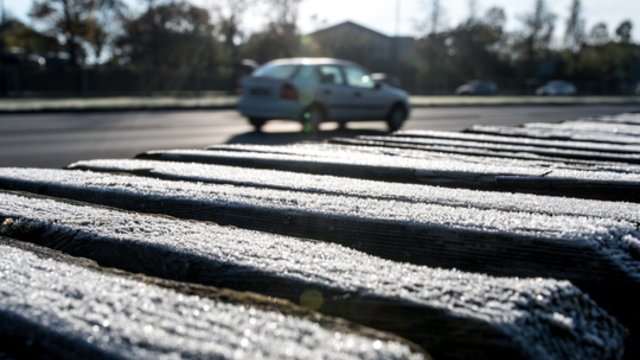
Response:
column 310, row 61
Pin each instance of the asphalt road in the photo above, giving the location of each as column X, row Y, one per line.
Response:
column 58, row 139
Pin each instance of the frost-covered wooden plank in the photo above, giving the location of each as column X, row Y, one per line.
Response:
column 58, row 307
column 334, row 149
column 507, row 140
column 447, row 145
column 559, row 158
column 412, row 150
column 400, row 167
column 332, row 185
column 339, row 154
column 589, row 126
column 485, row 240
column 556, row 134
column 484, row 156
column 451, row 313
column 628, row 118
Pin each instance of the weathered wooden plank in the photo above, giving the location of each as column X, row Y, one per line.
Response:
column 627, row 118
column 357, row 163
column 55, row 306
column 502, row 159
column 451, row 313
column 425, row 150
column 389, row 155
column 340, row 186
column 598, row 254
column 555, row 134
column 589, row 126
column 452, row 145
column 507, row 140
column 333, row 150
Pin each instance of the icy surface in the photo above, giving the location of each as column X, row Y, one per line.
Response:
column 283, row 180
column 629, row 118
column 559, row 227
column 548, row 151
column 429, row 136
column 129, row 319
column 525, row 309
column 387, row 154
column 483, row 156
column 550, row 132
column 590, row 126
column 421, row 167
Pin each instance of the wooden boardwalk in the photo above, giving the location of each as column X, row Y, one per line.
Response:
column 495, row 242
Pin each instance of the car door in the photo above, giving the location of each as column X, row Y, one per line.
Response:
column 368, row 102
column 333, row 91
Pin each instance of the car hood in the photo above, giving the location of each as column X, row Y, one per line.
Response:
column 395, row 91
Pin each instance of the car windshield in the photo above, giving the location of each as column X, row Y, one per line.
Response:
column 276, row 71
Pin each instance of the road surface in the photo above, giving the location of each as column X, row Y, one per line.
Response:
column 56, row 140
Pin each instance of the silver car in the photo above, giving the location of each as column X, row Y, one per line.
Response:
column 478, row 87
column 557, row 88
column 313, row 90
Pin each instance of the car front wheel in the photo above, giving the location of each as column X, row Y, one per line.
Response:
column 396, row 118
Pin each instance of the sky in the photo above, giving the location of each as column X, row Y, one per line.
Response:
column 381, row 15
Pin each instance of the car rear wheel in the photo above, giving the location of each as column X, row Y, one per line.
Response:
column 257, row 123
column 311, row 119
column 396, row 118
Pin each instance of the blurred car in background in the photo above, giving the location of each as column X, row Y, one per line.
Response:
column 478, row 87
column 557, row 88
column 313, row 90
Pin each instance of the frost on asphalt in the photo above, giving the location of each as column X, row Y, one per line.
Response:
column 524, row 310
column 122, row 318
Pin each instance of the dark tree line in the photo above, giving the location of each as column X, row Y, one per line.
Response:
column 480, row 48
column 168, row 43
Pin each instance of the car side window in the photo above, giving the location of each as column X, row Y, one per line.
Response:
column 276, row 71
column 330, row 74
column 307, row 74
column 357, row 77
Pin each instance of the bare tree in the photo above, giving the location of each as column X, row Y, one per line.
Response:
column 81, row 24
column 495, row 17
column 230, row 16
column 473, row 10
column 599, row 34
column 538, row 30
column 435, row 16
column 433, row 22
column 575, row 35
column 624, row 31
column 285, row 11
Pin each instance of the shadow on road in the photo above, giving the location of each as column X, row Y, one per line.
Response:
column 281, row 138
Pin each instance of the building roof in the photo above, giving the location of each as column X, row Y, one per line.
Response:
column 349, row 24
